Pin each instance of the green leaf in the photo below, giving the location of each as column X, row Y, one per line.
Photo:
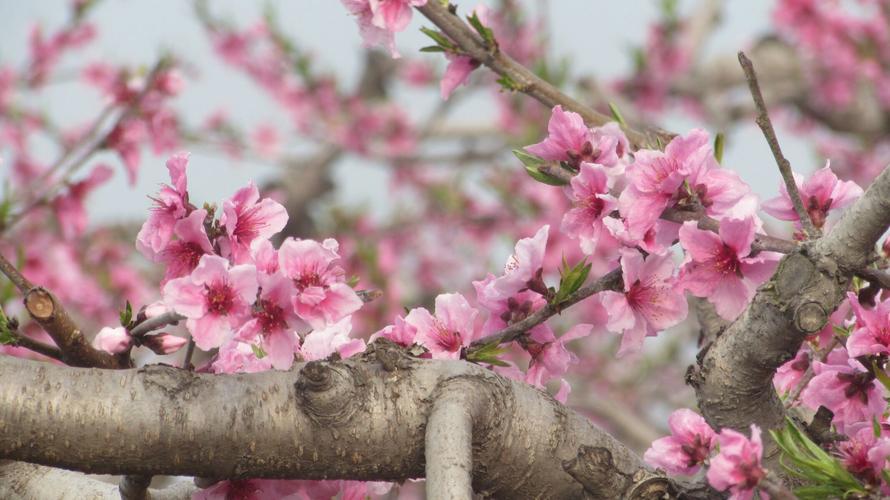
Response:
column 126, row 315
column 508, row 83
column 527, row 159
column 571, row 279
column 258, row 351
column 719, row 141
column 803, row 458
column 488, row 353
column 533, row 167
column 616, row 114
column 440, row 39
column 432, row 48
column 485, row 32
column 353, row 281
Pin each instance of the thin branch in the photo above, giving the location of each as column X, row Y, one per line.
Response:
column 766, row 125
column 47, row 350
column 609, row 281
column 525, row 80
column 155, row 322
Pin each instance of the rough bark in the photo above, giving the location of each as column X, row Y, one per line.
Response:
column 733, row 379
column 24, row 481
column 350, row 419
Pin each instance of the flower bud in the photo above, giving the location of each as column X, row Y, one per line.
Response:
column 164, row 343
column 113, row 340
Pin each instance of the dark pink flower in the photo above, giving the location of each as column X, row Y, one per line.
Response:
column 820, row 194
column 214, row 298
column 737, row 466
column 322, row 296
column 688, row 446
column 719, row 266
column 126, row 138
column 451, row 329
column 788, row 376
column 182, row 255
column 456, row 73
column 248, row 219
column 846, row 388
column 650, row 302
column 591, row 203
column 550, row 357
column 164, row 343
column 865, row 454
column 524, row 267
column 273, row 321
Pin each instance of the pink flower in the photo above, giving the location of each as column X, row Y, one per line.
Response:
column 113, row 340
column 451, row 329
column 719, row 266
column 69, row 208
column 525, row 266
column 864, row 454
column 182, row 255
column 846, row 388
column 550, row 358
column 650, row 303
column 322, row 295
column 688, row 446
column 399, row 332
column 456, row 73
column 238, row 357
column 266, row 141
column 372, row 35
column 163, row 343
column 568, row 139
column 788, row 376
column 126, row 138
column 319, row 344
column 737, row 467
column 171, row 205
column 591, row 204
column 245, row 489
column 248, row 219
column 393, row 15
column 214, row 298
column 872, row 333
column 273, row 321
column 820, row 194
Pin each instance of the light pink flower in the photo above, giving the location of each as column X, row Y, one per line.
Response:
column 181, row 256
column 372, row 35
column 846, row 388
column 719, row 266
column 69, row 207
column 451, row 329
column 245, row 489
column 248, row 219
column 171, row 205
column 214, row 298
column 525, row 266
column 591, row 204
column 688, row 446
column 820, row 194
column 273, row 321
column 238, row 357
column 322, row 295
column 737, row 467
column 399, row 332
column 164, row 343
column 872, row 333
column 456, row 73
column 393, row 15
column 113, row 340
column 126, row 138
column 319, row 344
column 650, row 302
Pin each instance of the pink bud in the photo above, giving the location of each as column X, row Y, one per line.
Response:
column 164, row 343
column 112, row 340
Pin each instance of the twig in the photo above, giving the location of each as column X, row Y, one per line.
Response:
column 524, row 80
column 610, row 281
column 46, row 310
column 769, row 133
column 189, row 351
column 155, row 322
column 776, row 489
column 30, row 344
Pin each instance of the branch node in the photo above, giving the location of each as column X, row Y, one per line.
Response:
column 810, row 317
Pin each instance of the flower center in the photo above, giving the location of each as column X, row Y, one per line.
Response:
column 448, row 340
column 270, row 316
column 697, row 452
column 587, row 154
column 308, row 279
column 220, row 298
column 726, row 261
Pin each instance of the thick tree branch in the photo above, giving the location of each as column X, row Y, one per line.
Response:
column 35, row 482
column 525, row 80
column 733, row 379
column 449, row 441
column 350, row 419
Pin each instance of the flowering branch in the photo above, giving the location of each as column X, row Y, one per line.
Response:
column 766, row 125
column 525, row 80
